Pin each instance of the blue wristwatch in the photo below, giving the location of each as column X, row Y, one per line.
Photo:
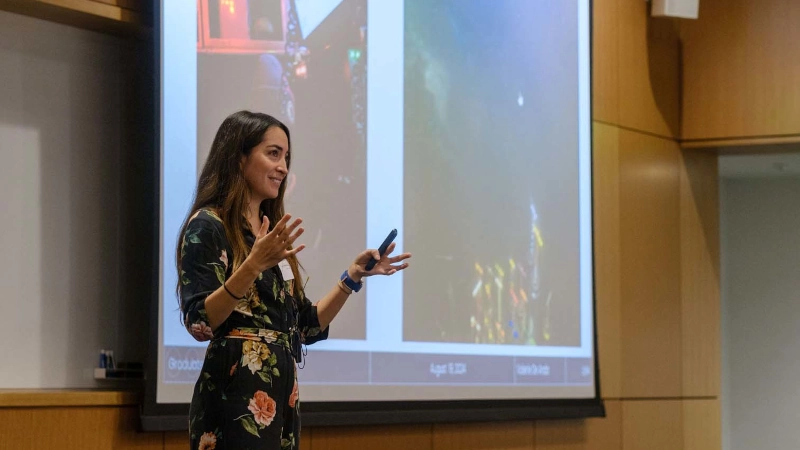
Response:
column 351, row 283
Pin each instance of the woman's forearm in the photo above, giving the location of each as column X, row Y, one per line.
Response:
column 330, row 305
column 220, row 304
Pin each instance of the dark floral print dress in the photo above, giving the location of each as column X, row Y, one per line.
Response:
column 246, row 396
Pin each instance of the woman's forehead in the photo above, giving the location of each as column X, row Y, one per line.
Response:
column 276, row 136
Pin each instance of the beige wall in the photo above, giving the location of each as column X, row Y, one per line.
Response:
column 760, row 295
column 657, row 261
column 60, row 144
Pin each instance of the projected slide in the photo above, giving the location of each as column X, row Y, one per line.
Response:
column 462, row 123
column 489, row 100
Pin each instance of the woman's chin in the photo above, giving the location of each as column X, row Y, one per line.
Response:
column 271, row 194
column 268, row 194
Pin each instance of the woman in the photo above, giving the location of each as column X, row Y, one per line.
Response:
column 239, row 287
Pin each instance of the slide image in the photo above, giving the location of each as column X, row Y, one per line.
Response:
column 482, row 167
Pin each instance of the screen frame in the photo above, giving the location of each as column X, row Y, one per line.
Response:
column 175, row 416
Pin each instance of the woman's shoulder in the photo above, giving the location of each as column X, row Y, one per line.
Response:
column 205, row 218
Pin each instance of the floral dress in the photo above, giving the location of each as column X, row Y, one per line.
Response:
column 246, row 396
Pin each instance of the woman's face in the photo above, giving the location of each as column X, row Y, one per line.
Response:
column 265, row 167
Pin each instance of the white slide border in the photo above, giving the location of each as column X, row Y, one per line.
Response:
column 178, row 158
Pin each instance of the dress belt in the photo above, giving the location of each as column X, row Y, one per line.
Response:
column 262, row 335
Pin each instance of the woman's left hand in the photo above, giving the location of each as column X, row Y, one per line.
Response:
column 387, row 264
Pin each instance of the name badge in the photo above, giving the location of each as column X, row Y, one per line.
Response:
column 286, row 270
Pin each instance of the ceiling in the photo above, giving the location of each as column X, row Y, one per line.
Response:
column 770, row 162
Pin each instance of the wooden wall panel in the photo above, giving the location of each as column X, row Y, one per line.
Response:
column 650, row 266
column 592, row 434
column 379, row 437
column 652, row 425
column 135, row 5
column 91, row 427
column 700, row 274
column 607, row 255
column 176, row 440
column 26, row 398
column 109, row 16
column 605, row 61
column 741, row 70
column 561, row 435
column 180, row 440
column 606, row 433
column 306, row 438
column 649, row 71
column 469, row 436
column 702, row 425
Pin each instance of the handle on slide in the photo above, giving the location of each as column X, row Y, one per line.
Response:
column 382, row 249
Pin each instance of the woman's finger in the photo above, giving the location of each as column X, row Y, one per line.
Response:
column 294, row 237
column 390, row 249
column 281, row 225
column 398, row 258
column 295, row 250
column 398, row 267
column 264, row 227
column 394, row 266
column 287, row 231
column 391, row 270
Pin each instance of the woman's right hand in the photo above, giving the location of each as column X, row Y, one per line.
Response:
column 272, row 247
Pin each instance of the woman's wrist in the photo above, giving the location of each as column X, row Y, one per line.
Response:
column 249, row 268
column 348, row 284
column 354, row 273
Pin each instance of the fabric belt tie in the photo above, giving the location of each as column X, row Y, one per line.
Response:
column 262, row 335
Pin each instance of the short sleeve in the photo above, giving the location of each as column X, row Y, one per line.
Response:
column 204, row 263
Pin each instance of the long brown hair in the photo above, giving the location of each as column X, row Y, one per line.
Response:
column 222, row 186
